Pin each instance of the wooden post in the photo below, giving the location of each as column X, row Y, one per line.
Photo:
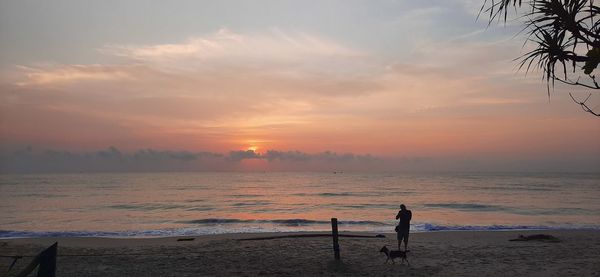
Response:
column 334, row 234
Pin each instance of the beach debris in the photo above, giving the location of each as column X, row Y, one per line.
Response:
column 537, row 237
column 309, row 236
column 185, row 239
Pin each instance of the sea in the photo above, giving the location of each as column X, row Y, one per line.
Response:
column 185, row 204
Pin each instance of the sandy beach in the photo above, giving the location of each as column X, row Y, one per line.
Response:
column 470, row 253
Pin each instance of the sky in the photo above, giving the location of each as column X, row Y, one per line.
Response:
column 278, row 85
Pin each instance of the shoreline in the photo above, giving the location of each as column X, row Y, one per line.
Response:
column 442, row 253
column 268, row 235
column 199, row 231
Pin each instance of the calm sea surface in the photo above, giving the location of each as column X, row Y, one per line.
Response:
column 168, row 204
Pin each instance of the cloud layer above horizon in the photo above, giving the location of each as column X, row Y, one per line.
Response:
column 30, row 160
column 411, row 80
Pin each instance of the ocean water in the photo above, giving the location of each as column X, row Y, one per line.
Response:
column 171, row 204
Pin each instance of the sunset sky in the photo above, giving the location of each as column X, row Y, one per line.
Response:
column 215, row 85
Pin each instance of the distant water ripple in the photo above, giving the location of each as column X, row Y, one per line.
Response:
column 171, row 204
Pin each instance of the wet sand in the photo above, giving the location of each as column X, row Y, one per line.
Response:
column 472, row 253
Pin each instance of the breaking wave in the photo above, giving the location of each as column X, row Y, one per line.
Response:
column 212, row 226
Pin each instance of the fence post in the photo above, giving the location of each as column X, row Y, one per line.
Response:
column 334, row 234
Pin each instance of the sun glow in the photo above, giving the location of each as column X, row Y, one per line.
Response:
column 252, row 148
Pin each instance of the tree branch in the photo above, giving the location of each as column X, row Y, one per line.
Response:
column 577, row 83
column 583, row 105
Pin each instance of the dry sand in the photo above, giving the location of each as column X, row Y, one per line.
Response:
column 432, row 254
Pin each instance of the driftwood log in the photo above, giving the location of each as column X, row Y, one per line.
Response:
column 538, row 237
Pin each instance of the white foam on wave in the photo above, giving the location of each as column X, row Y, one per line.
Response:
column 263, row 228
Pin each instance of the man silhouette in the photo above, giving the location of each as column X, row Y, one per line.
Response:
column 403, row 227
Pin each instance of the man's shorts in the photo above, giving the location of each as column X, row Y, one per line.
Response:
column 403, row 234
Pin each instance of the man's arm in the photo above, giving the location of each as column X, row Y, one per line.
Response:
column 398, row 215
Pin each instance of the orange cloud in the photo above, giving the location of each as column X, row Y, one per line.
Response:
column 293, row 92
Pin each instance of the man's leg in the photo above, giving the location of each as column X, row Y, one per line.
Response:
column 400, row 237
column 405, row 241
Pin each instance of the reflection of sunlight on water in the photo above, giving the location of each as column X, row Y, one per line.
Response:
column 165, row 203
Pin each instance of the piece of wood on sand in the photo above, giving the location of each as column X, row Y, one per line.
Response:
column 538, row 237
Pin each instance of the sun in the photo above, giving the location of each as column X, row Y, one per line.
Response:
column 252, row 148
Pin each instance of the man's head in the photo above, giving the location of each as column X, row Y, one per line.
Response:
column 402, row 207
